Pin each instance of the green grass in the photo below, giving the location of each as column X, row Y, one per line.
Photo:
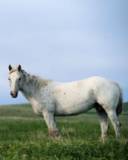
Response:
column 23, row 136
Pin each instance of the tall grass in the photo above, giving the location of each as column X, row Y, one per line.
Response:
column 23, row 136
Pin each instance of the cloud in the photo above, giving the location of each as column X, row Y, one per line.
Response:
column 64, row 40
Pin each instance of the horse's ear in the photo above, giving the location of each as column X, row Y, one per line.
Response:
column 19, row 68
column 10, row 67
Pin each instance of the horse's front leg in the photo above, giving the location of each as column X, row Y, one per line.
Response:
column 51, row 124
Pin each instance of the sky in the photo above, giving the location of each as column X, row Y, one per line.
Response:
column 64, row 40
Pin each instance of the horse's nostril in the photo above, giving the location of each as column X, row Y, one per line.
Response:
column 13, row 94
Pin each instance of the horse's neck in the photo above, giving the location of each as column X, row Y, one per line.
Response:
column 33, row 86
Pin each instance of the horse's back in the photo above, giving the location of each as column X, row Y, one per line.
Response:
column 90, row 90
column 91, row 83
column 73, row 97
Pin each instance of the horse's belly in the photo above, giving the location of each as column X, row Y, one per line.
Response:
column 72, row 110
column 70, row 107
column 73, row 99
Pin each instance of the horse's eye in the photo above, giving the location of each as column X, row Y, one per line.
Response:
column 9, row 79
column 19, row 79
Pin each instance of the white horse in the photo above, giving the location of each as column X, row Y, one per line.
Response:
column 50, row 98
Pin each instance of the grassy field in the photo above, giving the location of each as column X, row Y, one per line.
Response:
column 23, row 136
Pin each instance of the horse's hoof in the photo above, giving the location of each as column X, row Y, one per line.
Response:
column 103, row 139
column 54, row 133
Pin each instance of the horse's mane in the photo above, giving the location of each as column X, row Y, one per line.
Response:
column 35, row 80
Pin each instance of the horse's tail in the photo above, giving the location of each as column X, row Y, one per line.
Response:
column 120, row 104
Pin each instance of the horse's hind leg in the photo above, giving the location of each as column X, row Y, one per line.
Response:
column 103, row 121
column 115, row 122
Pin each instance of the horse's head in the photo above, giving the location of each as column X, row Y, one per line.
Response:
column 15, row 79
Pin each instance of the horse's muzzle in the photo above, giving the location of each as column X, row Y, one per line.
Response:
column 14, row 94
